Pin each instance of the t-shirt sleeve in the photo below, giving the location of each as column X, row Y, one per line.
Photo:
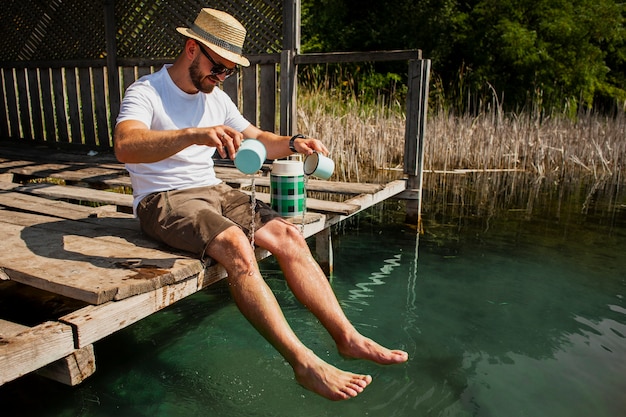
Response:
column 137, row 105
column 234, row 118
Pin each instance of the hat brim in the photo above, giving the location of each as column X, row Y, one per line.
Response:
column 224, row 53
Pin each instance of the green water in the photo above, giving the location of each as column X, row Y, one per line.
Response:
column 509, row 315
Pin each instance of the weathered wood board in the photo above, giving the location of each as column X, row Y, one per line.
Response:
column 93, row 323
column 94, row 262
column 72, row 369
column 34, row 348
column 10, row 198
column 317, row 205
column 77, row 193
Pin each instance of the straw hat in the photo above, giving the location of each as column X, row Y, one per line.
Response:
column 221, row 32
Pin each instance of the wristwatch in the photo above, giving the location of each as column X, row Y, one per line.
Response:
column 292, row 145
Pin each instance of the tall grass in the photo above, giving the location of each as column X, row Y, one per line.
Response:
column 364, row 139
column 504, row 155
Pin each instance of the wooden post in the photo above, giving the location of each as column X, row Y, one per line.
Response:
column 288, row 68
column 72, row 369
column 112, row 69
column 324, row 250
column 415, row 131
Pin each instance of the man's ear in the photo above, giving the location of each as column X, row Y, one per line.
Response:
column 191, row 47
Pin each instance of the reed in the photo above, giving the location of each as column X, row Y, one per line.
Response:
column 363, row 139
column 508, row 154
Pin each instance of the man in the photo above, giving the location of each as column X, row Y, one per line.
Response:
column 170, row 124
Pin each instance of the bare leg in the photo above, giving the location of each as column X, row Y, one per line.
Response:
column 310, row 285
column 258, row 304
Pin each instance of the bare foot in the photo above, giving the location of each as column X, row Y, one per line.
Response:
column 328, row 381
column 361, row 347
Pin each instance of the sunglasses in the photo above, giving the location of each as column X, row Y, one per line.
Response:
column 218, row 69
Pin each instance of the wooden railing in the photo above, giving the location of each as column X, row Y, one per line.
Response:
column 74, row 104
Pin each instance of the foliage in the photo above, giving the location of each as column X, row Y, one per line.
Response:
column 350, row 81
column 551, row 54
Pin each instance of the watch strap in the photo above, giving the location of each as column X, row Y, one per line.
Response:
column 292, row 145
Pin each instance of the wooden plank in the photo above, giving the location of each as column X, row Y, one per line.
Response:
column 6, row 164
column 267, row 95
column 143, row 70
column 78, row 193
column 317, row 205
column 11, row 103
column 4, row 121
column 415, row 131
column 364, row 56
column 250, row 94
column 33, row 87
column 75, row 172
column 32, row 211
column 368, row 200
column 41, row 154
column 335, row 187
column 10, row 329
column 75, row 135
column 48, row 105
column 24, row 105
column 230, row 86
column 93, row 323
column 128, row 77
column 72, row 369
column 87, row 261
column 89, row 129
column 33, row 204
column 288, row 91
column 59, row 105
column 324, row 250
column 100, row 93
column 34, row 348
column 417, row 109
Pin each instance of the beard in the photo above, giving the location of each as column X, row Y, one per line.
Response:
column 197, row 78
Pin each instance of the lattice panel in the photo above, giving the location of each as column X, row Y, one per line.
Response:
column 150, row 30
column 49, row 30
column 43, row 30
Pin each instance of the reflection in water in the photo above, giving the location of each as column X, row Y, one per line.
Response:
column 366, row 288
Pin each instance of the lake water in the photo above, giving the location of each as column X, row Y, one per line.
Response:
column 513, row 313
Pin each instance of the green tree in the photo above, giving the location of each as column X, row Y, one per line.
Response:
column 555, row 52
column 552, row 52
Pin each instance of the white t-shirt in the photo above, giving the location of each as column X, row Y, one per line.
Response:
column 157, row 102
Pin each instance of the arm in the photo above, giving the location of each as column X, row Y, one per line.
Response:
column 278, row 146
column 134, row 142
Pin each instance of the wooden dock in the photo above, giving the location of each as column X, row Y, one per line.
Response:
column 75, row 267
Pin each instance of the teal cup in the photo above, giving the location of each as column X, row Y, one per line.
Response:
column 250, row 156
column 319, row 166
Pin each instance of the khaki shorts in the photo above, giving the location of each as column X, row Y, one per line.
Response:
column 190, row 219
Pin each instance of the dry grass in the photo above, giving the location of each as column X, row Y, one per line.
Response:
column 366, row 138
column 531, row 152
column 552, row 148
column 362, row 139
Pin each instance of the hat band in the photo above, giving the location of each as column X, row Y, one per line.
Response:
column 217, row 41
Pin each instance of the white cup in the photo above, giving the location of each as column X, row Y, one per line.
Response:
column 319, row 165
column 250, row 156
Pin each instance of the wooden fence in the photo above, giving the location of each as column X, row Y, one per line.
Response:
column 73, row 104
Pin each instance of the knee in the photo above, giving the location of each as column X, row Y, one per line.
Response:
column 232, row 249
column 289, row 241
